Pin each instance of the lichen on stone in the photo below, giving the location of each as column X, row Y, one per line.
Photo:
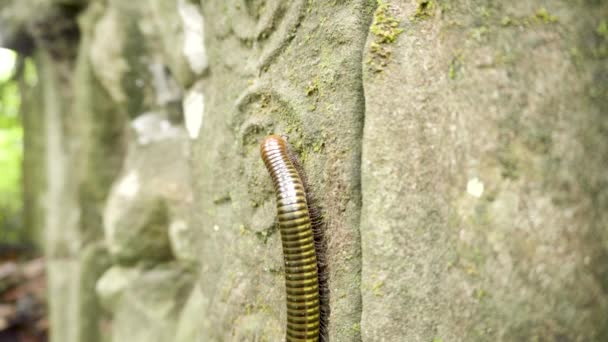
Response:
column 455, row 66
column 385, row 28
column 600, row 51
column 602, row 29
column 540, row 17
column 544, row 16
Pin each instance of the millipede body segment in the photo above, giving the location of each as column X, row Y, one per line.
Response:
column 301, row 270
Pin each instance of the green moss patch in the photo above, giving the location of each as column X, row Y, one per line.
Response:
column 425, row 9
column 542, row 15
column 385, row 28
column 601, row 49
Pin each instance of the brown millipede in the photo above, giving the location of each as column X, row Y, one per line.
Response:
column 299, row 224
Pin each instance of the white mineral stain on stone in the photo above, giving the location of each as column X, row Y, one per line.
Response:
column 475, row 187
column 165, row 125
column 166, row 88
column 194, row 107
column 142, row 125
column 194, row 36
column 129, row 186
column 151, row 127
column 176, row 228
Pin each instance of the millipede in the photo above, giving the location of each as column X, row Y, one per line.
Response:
column 303, row 245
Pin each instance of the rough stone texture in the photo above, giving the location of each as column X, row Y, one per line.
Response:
column 511, row 97
column 151, row 195
column 284, row 80
column 145, row 303
column 457, row 150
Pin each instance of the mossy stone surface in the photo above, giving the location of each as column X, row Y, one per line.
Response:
column 483, row 176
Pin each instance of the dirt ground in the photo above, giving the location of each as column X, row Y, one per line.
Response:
column 22, row 296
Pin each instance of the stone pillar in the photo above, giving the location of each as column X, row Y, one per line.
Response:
column 484, row 185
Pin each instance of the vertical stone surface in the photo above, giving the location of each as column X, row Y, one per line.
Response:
column 457, row 151
column 483, row 173
column 278, row 68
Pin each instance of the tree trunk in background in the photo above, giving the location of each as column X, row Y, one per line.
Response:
column 458, row 151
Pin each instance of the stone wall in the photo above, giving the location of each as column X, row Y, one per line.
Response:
column 457, row 150
column 483, row 173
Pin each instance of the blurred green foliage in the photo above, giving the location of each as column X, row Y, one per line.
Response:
column 11, row 150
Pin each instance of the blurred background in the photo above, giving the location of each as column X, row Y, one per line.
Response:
column 22, row 280
column 458, row 151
